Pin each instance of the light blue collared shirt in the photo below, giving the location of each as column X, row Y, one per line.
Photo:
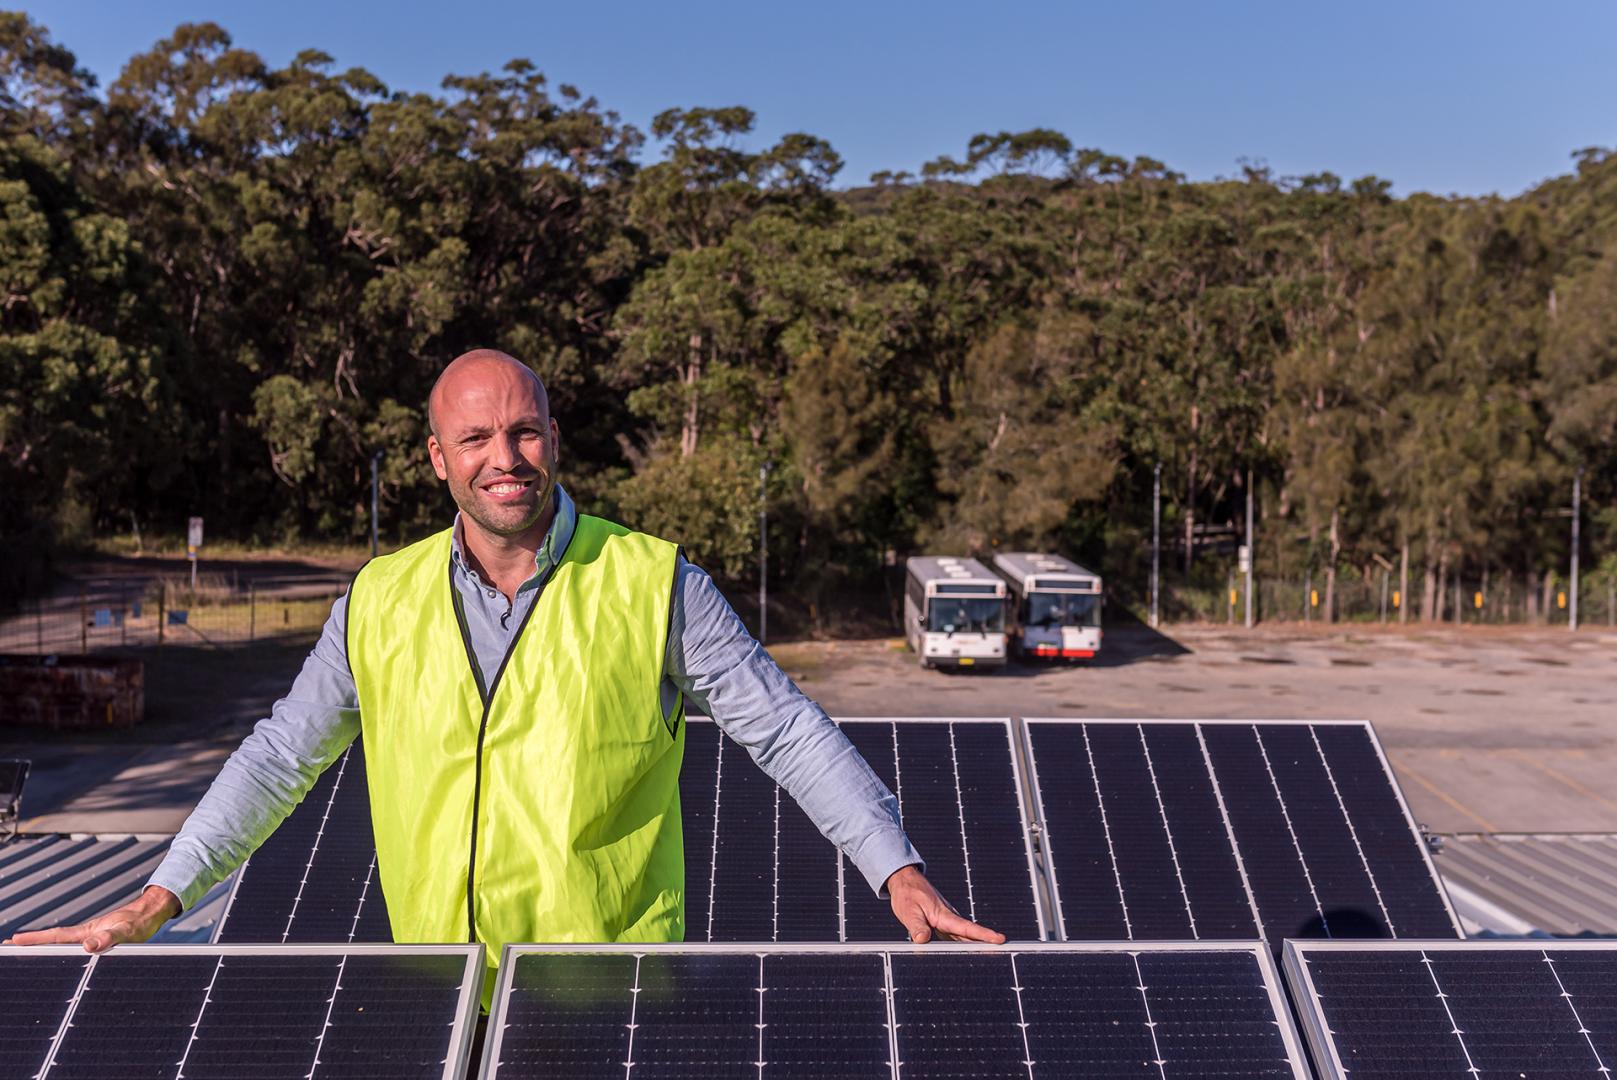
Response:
column 711, row 659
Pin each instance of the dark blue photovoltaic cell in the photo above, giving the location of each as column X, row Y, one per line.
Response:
column 1392, row 848
column 569, row 1014
column 697, row 783
column 34, row 994
column 1158, row 906
column 314, row 880
column 1001, row 881
column 1206, row 859
column 1075, row 833
column 125, row 1027
column 744, row 874
column 1199, row 1014
column 1510, row 1014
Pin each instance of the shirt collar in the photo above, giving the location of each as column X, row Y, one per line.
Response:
column 550, row 550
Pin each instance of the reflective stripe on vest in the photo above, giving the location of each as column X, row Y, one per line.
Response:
column 542, row 808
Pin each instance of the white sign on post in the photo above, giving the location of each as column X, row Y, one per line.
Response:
column 193, row 541
column 1243, row 559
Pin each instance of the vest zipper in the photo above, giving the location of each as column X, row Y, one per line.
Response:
column 487, row 695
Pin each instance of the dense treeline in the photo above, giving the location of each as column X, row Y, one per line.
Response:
column 228, row 286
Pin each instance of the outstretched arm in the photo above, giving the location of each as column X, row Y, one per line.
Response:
column 258, row 786
column 723, row 670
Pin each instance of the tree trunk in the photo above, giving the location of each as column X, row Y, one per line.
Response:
column 1530, row 594
column 1440, row 601
column 1549, row 596
column 1330, row 569
column 1403, row 583
column 1428, row 592
column 690, row 427
column 1190, row 494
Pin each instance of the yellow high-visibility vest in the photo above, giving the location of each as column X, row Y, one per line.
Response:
column 542, row 808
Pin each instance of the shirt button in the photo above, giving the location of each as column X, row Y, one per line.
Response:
column 491, row 594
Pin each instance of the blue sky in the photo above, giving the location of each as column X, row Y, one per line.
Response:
column 1469, row 97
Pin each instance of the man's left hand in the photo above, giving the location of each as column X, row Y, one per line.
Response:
column 924, row 912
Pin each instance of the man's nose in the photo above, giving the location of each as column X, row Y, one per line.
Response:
column 506, row 452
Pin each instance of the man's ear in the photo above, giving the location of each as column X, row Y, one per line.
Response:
column 436, row 453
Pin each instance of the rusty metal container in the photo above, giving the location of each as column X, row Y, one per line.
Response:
column 76, row 692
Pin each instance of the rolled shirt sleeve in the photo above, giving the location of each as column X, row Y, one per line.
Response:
column 726, row 673
column 269, row 774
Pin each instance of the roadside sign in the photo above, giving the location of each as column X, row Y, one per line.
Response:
column 193, row 537
column 1243, row 559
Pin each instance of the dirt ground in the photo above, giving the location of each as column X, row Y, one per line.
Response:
column 1489, row 729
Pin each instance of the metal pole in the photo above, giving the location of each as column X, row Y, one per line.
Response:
column 763, row 551
column 1251, row 550
column 376, row 460
column 1156, row 538
column 1577, row 498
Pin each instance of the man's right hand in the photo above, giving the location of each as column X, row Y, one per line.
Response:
column 132, row 923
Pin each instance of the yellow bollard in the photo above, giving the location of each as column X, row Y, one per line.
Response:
column 1313, row 598
column 1397, row 598
column 1560, row 600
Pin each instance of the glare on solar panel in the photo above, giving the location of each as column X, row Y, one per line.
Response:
column 1409, row 1009
column 199, row 1011
column 1228, row 829
column 1158, row 1009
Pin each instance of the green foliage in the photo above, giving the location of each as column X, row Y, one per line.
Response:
column 227, row 286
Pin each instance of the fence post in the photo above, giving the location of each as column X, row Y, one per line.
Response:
column 84, row 624
column 252, row 612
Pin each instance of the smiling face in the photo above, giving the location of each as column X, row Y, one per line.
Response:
column 494, row 441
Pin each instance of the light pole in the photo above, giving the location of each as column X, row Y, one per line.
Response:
column 763, row 550
column 1251, row 550
column 1577, row 498
column 1156, row 538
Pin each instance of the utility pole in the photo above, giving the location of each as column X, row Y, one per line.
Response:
column 763, row 550
column 1156, row 538
column 1251, row 550
column 1577, row 498
column 376, row 489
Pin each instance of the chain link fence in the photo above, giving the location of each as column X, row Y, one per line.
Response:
column 161, row 613
column 1380, row 599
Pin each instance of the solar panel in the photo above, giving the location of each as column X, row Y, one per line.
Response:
column 864, row 1010
column 204, row 1011
column 1515, row 1008
column 758, row 870
column 314, row 880
column 1167, row 829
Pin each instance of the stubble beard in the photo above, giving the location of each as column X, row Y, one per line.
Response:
column 513, row 519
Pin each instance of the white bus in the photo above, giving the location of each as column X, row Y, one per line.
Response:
column 954, row 611
column 1055, row 605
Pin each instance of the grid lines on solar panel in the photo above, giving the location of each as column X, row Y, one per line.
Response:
column 1165, row 830
column 677, row 1014
column 1479, row 1009
column 1048, row 1011
column 758, row 870
column 198, row 1012
column 315, row 880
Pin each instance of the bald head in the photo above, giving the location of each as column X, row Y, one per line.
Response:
column 476, row 370
column 494, row 442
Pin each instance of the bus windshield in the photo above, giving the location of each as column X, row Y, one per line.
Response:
column 965, row 615
column 1063, row 609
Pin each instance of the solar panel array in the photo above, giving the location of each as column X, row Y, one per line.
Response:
column 851, row 1011
column 757, row 869
column 1162, row 830
column 314, row 880
column 1461, row 1009
column 199, row 1011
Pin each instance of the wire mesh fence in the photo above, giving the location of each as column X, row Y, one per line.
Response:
column 1381, row 598
column 162, row 613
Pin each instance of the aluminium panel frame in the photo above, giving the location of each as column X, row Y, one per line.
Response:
column 1375, row 742
column 1278, row 1002
column 466, row 1005
column 1305, row 995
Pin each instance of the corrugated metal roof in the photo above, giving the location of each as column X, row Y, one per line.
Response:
column 57, row 879
column 1563, row 884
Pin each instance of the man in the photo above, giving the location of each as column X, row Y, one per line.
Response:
column 519, row 682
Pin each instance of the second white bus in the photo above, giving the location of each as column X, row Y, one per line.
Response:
column 1055, row 605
